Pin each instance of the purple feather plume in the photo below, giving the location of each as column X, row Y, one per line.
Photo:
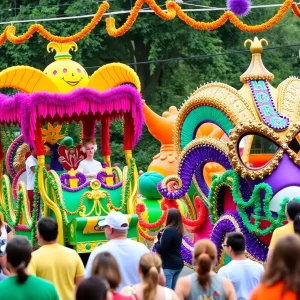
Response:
column 239, row 7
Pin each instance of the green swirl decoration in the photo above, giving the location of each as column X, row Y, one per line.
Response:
column 12, row 217
column 127, row 189
column 231, row 180
column 55, row 188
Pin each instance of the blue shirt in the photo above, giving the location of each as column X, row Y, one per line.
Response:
column 244, row 274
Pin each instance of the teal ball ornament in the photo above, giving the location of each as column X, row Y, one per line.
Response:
column 148, row 185
column 67, row 141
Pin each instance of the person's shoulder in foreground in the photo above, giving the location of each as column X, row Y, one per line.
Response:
column 134, row 246
column 54, row 250
column 34, row 289
column 263, row 292
column 246, row 263
column 280, row 231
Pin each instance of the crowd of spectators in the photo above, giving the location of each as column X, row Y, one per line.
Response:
column 124, row 269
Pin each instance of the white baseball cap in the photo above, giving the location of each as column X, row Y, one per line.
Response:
column 115, row 220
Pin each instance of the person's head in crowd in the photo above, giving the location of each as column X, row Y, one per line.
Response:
column 284, row 265
column 18, row 253
column 174, row 219
column 292, row 209
column 89, row 146
column 205, row 257
column 115, row 225
column 32, row 151
column 149, row 270
column 106, row 266
column 93, row 288
column 234, row 244
column 47, row 230
column 297, row 224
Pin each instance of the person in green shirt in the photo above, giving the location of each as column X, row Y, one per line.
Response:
column 21, row 285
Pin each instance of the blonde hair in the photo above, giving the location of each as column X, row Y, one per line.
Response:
column 205, row 254
column 150, row 265
column 106, row 266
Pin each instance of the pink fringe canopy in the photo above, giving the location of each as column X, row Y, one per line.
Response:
column 10, row 109
column 26, row 109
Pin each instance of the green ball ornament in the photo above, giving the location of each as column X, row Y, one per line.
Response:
column 148, row 185
column 67, row 141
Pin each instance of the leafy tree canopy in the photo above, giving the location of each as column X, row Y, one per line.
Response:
column 165, row 82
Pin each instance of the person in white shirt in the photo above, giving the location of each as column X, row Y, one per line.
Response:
column 244, row 273
column 31, row 163
column 127, row 252
column 89, row 166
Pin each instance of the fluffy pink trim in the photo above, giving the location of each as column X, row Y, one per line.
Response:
column 25, row 109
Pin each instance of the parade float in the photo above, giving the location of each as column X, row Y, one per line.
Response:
column 250, row 153
column 194, row 212
column 230, row 147
column 48, row 103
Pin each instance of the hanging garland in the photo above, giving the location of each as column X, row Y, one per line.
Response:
column 140, row 208
column 9, row 32
column 232, row 180
column 173, row 10
column 7, row 214
column 126, row 188
column 145, row 235
column 52, row 183
column 34, row 215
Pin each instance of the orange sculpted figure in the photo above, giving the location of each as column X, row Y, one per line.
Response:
column 213, row 131
column 161, row 128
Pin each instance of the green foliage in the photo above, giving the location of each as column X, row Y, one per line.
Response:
column 164, row 83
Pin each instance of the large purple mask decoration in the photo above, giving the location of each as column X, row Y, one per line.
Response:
column 258, row 151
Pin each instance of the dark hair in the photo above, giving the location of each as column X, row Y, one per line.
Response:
column 285, row 265
column 297, row 224
column 106, row 266
column 174, row 220
column 292, row 209
column 18, row 251
column 93, row 288
column 48, row 229
column 205, row 254
column 236, row 241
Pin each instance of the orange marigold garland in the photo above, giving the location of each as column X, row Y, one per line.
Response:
column 173, row 9
column 111, row 24
column 262, row 27
column 145, row 235
column 11, row 30
column 296, row 9
column 196, row 24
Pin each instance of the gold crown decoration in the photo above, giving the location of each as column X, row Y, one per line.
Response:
column 62, row 49
column 256, row 70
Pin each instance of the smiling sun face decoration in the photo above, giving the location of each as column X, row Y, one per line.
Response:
column 65, row 75
column 64, row 72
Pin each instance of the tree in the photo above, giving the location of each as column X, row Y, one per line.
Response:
column 165, row 82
